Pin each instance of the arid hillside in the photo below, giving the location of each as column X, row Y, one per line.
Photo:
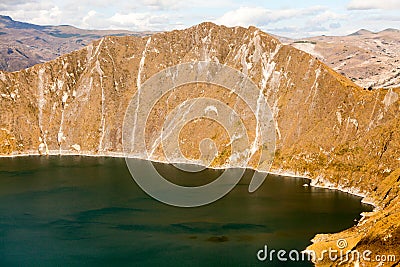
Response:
column 371, row 60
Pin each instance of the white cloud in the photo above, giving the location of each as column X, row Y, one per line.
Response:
column 373, row 4
column 258, row 16
column 185, row 4
column 335, row 25
column 94, row 20
column 140, row 21
column 43, row 12
column 163, row 4
column 47, row 17
column 387, row 18
column 325, row 17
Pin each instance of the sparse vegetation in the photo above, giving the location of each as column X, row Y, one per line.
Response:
column 305, row 42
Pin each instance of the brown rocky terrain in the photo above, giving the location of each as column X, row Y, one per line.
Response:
column 327, row 127
column 367, row 58
column 23, row 45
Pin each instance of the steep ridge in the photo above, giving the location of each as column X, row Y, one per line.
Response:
column 329, row 129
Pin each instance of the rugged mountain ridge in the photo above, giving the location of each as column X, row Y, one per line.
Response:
column 367, row 58
column 23, row 45
column 327, row 128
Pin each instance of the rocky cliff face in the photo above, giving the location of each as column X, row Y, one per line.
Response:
column 327, row 127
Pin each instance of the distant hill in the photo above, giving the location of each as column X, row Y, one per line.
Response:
column 361, row 32
column 370, row 59
column 23, row 45
column 391, row 30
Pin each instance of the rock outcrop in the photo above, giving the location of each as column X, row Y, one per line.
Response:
column 327, row 127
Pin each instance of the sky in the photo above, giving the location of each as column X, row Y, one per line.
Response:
column 294, row 19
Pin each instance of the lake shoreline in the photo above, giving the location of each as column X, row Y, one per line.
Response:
column 318, row 182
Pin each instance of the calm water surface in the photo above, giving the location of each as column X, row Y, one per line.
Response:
column 83, row 211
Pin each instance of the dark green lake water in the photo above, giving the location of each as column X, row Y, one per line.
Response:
column 86, row 211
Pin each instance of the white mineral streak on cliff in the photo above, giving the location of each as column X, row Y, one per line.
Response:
column 256, row 143
column 242, row 54
column 274, row 84
column 141, row 65
column 60, row 84
column 89, row 49
column 390, row 98
column 76, row 147
column 90, row 55
column 43, row 148
column 248, row 61
column 267, row 69
column 103, row 100
column 314, row 89
column 138, row 86
column 169, row 127
column 83, row 93
column 60, row 135
column 41, row 100
column 206, row 47
column 109, row 55
column 354, row 122
column 64, row 97
column 339, row 117
column 257, row 47
column 3, row 76
column 372, row 118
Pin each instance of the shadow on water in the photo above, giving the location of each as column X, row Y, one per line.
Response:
column 87, row 211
